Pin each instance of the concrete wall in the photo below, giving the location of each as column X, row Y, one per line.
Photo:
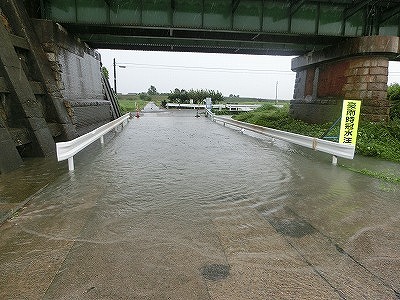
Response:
column 357, row 70
column 76, row 68
column 50, row 86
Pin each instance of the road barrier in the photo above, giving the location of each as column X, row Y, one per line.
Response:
column 67, row 150
column 336, row 149
column 230, row 107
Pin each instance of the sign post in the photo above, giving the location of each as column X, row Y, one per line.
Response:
column 208, row 103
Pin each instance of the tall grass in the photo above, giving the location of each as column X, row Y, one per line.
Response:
column 380, row 140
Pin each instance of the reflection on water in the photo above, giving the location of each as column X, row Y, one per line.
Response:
column 178, row 207
column 25, row 181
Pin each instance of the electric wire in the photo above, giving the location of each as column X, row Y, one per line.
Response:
column 219, row 69
column 210, row 69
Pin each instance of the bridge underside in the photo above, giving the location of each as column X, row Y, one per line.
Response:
column 283, row 27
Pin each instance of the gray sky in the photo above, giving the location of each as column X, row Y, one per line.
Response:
column 244, row 75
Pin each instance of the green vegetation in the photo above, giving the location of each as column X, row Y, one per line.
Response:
column 381, row 140
column 183, row 96
column 247, row 100
column 128, row 103
column 274, row 117
column 383, row 175
column 394, row 98
column 105, row 72
column 152, row 90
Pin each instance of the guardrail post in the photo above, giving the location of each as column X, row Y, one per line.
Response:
column 71, row 166
column 66, row 150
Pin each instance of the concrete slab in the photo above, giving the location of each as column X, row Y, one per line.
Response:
column 263, row 265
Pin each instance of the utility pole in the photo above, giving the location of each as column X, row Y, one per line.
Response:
column 115, row 78
column 276, row 93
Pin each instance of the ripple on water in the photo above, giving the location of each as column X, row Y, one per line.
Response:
column 179, row 197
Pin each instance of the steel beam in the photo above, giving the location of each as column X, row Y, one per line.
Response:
column 224, row 22
column 110, row 2
column 295, row 6
column 235, row 4
column 389, row 13
column 359, row 6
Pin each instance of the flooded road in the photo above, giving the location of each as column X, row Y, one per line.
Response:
column 178, row 207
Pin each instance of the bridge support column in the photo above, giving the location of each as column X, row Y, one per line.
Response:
column 356, row 69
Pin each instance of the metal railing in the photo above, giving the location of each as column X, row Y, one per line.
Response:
column 230, row 107
column 67, row 150
column 336, row 149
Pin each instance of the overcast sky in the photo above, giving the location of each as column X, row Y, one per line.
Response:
column 245, row 75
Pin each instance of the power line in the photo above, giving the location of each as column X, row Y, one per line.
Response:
column 209, row 69
column 220, row 69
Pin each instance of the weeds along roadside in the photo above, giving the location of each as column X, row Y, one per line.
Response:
column 379, row 140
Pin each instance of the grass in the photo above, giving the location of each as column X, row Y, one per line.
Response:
column 381, row 140
column 385, row 176
column 128, row 103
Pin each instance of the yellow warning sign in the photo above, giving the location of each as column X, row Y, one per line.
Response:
column 349, row 124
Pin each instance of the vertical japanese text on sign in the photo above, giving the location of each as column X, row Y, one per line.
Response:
column 349, row 124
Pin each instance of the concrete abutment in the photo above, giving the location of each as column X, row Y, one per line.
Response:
column 355, row 70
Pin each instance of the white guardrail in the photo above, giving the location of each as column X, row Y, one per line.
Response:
column 230, row 107
column 336, row 149
column 67, row 150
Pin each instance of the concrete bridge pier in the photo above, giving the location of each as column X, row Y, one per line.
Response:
column 355, row 70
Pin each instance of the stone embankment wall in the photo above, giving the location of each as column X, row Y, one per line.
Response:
column 51, row 87
column 76, row 68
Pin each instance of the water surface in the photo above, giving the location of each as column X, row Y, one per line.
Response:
column 178, row 207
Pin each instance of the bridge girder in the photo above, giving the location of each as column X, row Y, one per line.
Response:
column 318, row 22
column 295, row 6
column 359, row 6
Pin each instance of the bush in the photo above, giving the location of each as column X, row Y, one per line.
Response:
column 144, row 97
column 379, row 140
column 393, row 94
column 271, row 116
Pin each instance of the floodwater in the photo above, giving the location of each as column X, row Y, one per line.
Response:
column 178, row 207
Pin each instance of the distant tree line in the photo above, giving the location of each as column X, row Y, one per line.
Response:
column 184, row 97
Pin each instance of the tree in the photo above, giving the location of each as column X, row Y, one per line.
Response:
column 179, row 96
column 144, row 97
column 105, row 72
column 183, row 96
column 152, row 90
